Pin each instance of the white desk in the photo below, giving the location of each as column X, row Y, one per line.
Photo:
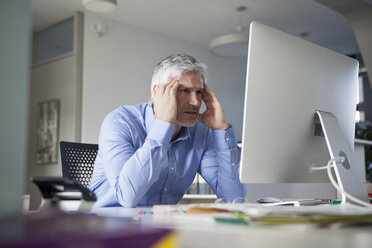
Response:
column 202, row 231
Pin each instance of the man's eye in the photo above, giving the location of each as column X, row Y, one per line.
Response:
column 185, row 90
column 199, row 92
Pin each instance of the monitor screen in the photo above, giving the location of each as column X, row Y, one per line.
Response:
column 288, row 79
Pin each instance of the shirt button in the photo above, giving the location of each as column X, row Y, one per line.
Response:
column 172, row 168
column 227, row 139
column 233, row 164
column 165, row 190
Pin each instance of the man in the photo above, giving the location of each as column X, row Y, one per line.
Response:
column 150, row 153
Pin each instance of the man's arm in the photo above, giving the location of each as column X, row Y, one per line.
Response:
column 220, row 165
column 130, row 171
column 221, row 161
column 213, row 117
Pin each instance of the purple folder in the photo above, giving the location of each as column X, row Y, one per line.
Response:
column 54, row 228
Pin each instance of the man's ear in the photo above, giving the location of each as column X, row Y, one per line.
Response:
column 154, row 89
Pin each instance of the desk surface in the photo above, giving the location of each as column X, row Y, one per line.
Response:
column 200, row 230
column 110, row 227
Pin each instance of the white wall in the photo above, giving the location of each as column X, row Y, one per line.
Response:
column 118, row 68
column 58, row 78
column 14, row 77
column 53, row 80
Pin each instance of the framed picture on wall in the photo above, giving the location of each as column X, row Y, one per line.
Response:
column 47, row 132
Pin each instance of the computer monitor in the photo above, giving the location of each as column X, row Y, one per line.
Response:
column 288, row 79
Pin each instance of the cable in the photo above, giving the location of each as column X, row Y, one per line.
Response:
column 340, row 186
column 313, row 167
column 335, row 184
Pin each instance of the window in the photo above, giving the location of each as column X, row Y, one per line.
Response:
column 54, row 41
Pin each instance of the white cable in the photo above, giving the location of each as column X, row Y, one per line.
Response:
column 337, row 186
column 313, row 167
column 339, row 182
column 333, row 181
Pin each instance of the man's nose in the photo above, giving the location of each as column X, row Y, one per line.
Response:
column 194, row 99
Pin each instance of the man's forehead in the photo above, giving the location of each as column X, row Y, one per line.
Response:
column 191, row 79
column 189, row 85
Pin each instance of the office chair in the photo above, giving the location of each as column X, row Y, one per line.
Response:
column 78, row 161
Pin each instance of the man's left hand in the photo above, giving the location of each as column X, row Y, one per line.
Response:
column 213, row 117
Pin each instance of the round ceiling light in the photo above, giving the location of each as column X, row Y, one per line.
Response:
column 230, row 45
column 102, row 6
column 234, row 44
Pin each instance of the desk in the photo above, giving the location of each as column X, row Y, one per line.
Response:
column 203, row 231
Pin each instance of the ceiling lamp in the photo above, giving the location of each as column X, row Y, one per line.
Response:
column 102, row 6
column 232, row 45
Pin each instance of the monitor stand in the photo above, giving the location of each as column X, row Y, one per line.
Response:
column 338, row 147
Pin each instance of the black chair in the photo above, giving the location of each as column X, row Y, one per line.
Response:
column 78, row 161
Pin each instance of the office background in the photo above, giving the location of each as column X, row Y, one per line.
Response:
column 108, row 70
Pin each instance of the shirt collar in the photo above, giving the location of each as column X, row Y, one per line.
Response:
column 150, row 119
column 184, row 134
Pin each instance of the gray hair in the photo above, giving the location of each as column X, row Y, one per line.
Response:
column 173, row 66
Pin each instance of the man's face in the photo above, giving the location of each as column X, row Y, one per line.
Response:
column 189, row 98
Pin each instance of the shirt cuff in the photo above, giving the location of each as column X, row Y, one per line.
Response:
column 161, row 131
column 224, row 139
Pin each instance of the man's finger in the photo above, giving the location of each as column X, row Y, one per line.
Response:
column 169, row 85
column 161, row 89
column 157, row 90
column 163, row 86
column 174, row 88
column 206, row 92
column 207, row 98
column 206, row 88
column 209, row 91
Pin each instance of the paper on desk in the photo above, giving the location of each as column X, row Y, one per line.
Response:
column 255, row 209
column 322, row 210
column 290, row 214
column 286, row 214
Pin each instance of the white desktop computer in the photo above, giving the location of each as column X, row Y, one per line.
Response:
column 288, row 80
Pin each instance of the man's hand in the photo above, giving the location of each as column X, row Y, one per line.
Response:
column 165, row 103
column 213, row 117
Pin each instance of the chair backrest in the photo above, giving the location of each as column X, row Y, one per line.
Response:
column 78, row 161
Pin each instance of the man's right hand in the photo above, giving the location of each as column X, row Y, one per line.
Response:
column 165, row 102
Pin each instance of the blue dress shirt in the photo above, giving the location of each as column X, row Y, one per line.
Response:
column 138, row 165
